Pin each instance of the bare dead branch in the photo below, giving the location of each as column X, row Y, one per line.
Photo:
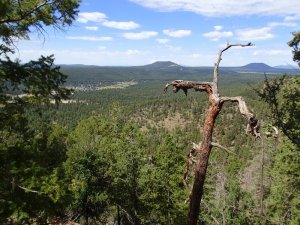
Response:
column 222, row 147
column 276, row 131
column 27, row 189
column 253, row 123
column 272, row 134
column 196, row 147
column 189, row 160
column 185, row 85
column 219, row 58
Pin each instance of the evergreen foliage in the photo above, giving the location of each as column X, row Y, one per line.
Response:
column 294, row 43
column 284, row 199
column 118, row 155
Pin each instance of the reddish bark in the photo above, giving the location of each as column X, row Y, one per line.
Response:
column 216, row 103
column 201, row 166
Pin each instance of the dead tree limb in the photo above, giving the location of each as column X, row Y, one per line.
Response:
column 222, row 147
column 185, row 85
column 14, row 184
column 219, row 58
column 253, row 123
column 191, row 159
column 204, row 148
column 272, row 134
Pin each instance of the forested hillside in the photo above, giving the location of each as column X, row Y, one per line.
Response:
column 105, row 145
column 164, row 71
column 120, row 154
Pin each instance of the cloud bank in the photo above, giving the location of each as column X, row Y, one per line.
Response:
column 90, row 38
column 140, row 35
column 121, row 25
column 218, row 8
column 218, row 34
column 177, row 33
column 98, row 17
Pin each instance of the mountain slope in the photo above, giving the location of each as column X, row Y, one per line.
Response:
column 161, row 65
column 257, row 66
column 163, row 71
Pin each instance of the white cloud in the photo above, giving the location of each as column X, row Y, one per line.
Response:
column 217, row 8
column 282, row 24
column 162, row 40
column 121, row 25
column 264, row 33
column 140, row 57
column 177, row 33
column 90, row 38
column 254, row 34
column 272, row 52
column 85, row 17
column 218, row 28
column 140, row 35
column 90, row 57
column 94, row 28
column 218, row 34
column 292, row 17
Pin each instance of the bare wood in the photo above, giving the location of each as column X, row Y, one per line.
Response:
column 222, row 147
column 242, row 105
column 204, row 148
column 29, row 190
column 190, row 160
column 253, row 123
column 185, row 85
column 272, row 134
column 219, row 58
column 202, row 163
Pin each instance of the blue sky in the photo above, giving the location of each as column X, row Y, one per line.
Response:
column 187, row 32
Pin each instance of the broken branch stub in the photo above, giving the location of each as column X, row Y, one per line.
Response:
column 185, row 85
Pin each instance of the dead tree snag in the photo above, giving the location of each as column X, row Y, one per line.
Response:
column 203, row 149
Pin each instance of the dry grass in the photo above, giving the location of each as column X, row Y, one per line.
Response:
column 118, row 85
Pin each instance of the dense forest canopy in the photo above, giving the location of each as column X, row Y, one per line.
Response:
column 117, row 155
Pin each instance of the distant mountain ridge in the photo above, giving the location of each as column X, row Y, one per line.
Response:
column 165, row 71
column 257, row 66
column 287, row 66
column 264, row 68
column 161, row 65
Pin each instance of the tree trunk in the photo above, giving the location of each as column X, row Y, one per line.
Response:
column 216, row 102
column 262, row 165
column 119, row 216
column 200, row 170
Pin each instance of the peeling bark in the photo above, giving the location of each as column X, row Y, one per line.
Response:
column 204, row 148
column 201, row 166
